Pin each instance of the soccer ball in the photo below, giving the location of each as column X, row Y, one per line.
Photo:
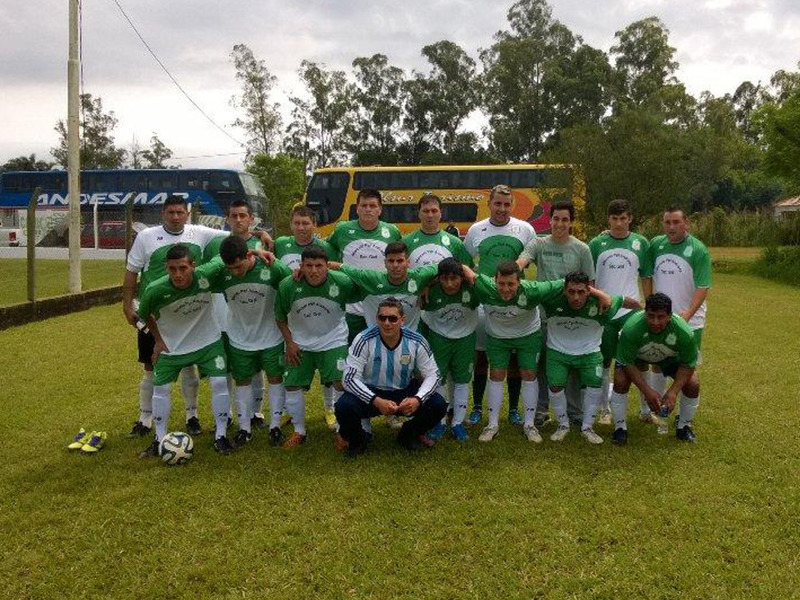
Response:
column 176, row 448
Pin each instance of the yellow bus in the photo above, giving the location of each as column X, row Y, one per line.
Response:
column 464, row 191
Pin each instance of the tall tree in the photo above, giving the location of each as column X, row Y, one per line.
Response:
column 417, row 142
column 283, row 179
column 261, row 120
column 156, row 156
column 26, row 163
column 781, row 127
column 97, row 147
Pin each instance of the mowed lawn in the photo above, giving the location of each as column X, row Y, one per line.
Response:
column 509, row 519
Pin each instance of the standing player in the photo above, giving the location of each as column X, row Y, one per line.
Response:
column 621, row 261
column 311, row 316
column 657, row 336
column 361, row 244
column 429, row 245
column 496, row 239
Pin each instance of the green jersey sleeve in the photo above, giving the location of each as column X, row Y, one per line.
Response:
column 627, row 348
column 423, row 275
column 702, row 266
column 212, row 248
column 283, row 300
column 367, row 279
column 645, row 260
column 484, row 287
column 278, row 272
column 616, row 304
column 460, row 252
column 687, row 347
column 539, row 292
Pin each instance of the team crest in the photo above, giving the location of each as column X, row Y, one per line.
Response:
column 202, row 283
column 264, row 275
column 465, row 297
column 636, row 245
column 593, row 311
column 333, row 291
column 687, row 252
column 670, row 339
column 522, row 300
column 385, row 232
column 412, row 286
column 445, row 240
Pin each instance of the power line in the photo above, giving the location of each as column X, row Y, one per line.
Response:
column 175, row 81
column 206, row 155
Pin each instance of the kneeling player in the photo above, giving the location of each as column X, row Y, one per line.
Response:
column 657, row 336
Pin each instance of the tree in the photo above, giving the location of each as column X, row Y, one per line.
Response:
column 261, row 120
column 97, row 148
column 26, row 163
column 156, row 156
column 417, row 137
column 781, row 127
column 283, row 179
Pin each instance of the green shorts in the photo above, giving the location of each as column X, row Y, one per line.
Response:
column 355, row 325
column 210, row 361
column 329, row 363
column 589, row 368
column 246, row 363
column 528, row 349
column 608, row 346
column 453, row 357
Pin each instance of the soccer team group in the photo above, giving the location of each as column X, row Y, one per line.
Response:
column 401, row 326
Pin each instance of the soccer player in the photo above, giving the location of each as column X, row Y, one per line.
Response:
column 361, row 244
column 147, row 258
column 178, row 310
column 255, row 343
column 429, row 245
column 657, row 336
column 574, row 334
column 311, row 316
column 451, row 315
column 555, row 255
column 493, row 240
column 621, row 262
column 379, row 380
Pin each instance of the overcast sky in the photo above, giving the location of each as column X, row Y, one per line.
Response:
column 720, row 43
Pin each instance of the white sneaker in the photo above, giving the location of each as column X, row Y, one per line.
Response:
column 532, row 434
column 604, row 418
column 648, row 418
column 591, row 437
column 489, row 433
column 560, row 433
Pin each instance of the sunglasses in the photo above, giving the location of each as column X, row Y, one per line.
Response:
column 390, row 318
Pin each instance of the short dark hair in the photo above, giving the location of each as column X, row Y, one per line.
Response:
column 233, row 248
column 428, row 197
column 658, row 302
column 391, row 302
column 302, row 210
column 179, row 252
column 396, row 248
column 508, row 267
column 450, row 266
column 369, row 193
column 576, row 277
column 314, row 253
column 563, row 205
column 675, row 208
column 175, row 199
column 620, row 206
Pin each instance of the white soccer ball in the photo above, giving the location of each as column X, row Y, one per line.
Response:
column 176, row 448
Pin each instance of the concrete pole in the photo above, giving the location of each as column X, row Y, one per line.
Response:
column 73, row 149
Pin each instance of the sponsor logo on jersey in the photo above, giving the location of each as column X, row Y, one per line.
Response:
column 405, row 359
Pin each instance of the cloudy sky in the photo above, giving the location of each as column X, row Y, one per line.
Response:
column 720, row 43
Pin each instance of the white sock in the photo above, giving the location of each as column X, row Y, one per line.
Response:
column 619, row 410
column 605, row 389
column 686, row 410
column 366, row 425
column 146, row 399
column 231, row 393
column 494, row 400
column 658, row 382
column 258, row 392
column 220, row 402
column 277, row 402
column 244, row 405
column 296, row 407
column 591, row 400
column 328, row 399
column 161, row 406
column 529, row 394
column 460, row 402
column 558, row 402
column 451, row 387
column 190, row 386
column 442, row 390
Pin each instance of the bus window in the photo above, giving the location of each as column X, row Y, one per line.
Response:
column 525, row 179
column 459, row 213
column 489, row 179
column 163, row 182
column 190, row 180
column 434, row 180
column 326, row 195
column 464, row 180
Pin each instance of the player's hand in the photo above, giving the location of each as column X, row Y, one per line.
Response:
column 468, row 274
column 265, row 255
column 266, row 239
column 669, row 400
column 385, row 407
column 408, row 406
column 297, row 274
column 159, row 347
column 653, row 399
column 332, row 264
column 130, row 315
column 293, row 354
column 685, row 315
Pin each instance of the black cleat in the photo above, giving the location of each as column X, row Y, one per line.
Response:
column 355, row 450
column 151, row 451
column 409, row 443
column 222, row 445
column 258, row 422
column 193, row 426
column 620, row 437
column 230, row 422
column 276, row 436
column 685, row 434
column 139, row 430
column 241, row 438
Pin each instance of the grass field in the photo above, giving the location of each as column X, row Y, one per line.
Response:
column 655, row 519
column 52, row 277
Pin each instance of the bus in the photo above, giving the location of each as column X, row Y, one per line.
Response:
column 464, row 191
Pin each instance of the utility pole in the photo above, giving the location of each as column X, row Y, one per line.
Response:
column 73, row 150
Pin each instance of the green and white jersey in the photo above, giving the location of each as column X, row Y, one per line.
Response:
column 453, row 317
column 518, row 317
column 362, row 249
column 148, row 254
column 251, row 305
column 288, row 251
column 577, row 332
column 492, row 244
column 376, row 287
column 184, row 317
column 619, row 263
column 679, row 270
column 210, row 253
column 637, row 342
column 315, row 315
column 554, row 259
column 431, row 248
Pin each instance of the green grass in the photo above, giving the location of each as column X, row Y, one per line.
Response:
column 52, row 277
column 655, row 519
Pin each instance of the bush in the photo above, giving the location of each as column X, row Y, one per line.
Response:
column 780, row 264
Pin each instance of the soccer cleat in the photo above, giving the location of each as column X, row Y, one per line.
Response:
column 241, row 438
column 604, row 417
column 139, row 430
column 489, row 433
column 560, row 433
column 340, row 443
column 532, row 434
column 258, row 421
column 223, row 446
column 410, row 443
column 514, row 417
column 437, row 432
column 193, row 426
column 459, row 433
column 81, row 438
column 425, row 441
column 356, row 450
column 649, row 418
column 276, row 436
column 330, row 419
column 294, row 440
column 620, row 437
column 475, row 417
column 590, row 436
column 151, row 451
column 685, row 434
column 97, row 441
column 541, row 420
